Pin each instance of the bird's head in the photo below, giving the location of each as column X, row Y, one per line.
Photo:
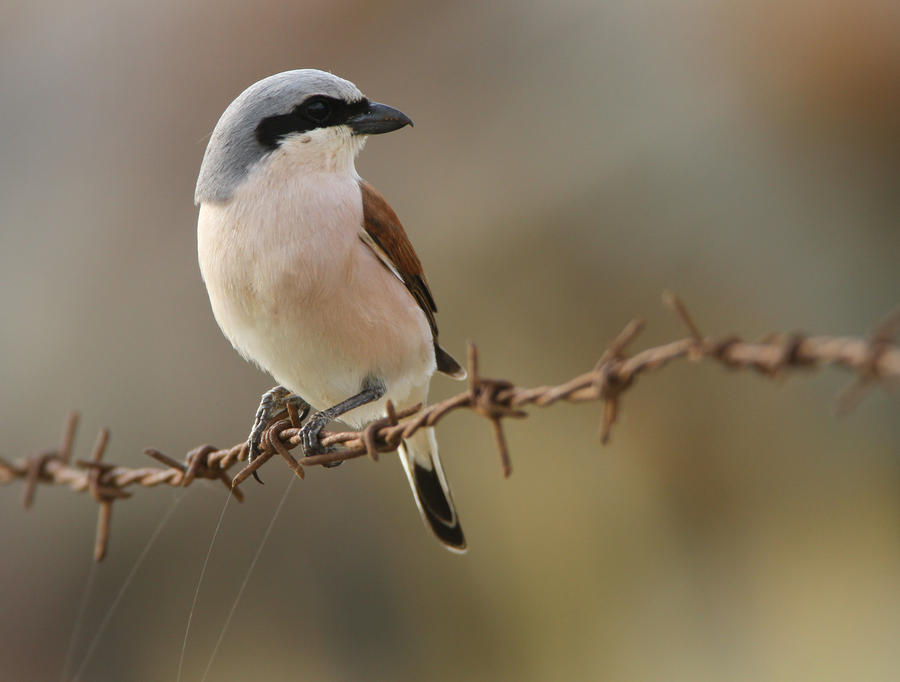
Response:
column 319, row 120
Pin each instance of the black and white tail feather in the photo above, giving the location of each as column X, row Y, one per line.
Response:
column 419, row 456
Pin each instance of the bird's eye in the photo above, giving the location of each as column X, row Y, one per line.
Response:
column 317, row 110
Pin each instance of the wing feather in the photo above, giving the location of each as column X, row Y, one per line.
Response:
column 384, row 234
column 383, row 231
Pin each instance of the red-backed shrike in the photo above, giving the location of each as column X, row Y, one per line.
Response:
column 311, row 275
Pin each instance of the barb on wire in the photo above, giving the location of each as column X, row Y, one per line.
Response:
column 872, row 360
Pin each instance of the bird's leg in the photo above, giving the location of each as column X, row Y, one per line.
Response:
column 309, row 433
column 272, row 402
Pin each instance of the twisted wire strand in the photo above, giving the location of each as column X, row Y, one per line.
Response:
column 873, row 360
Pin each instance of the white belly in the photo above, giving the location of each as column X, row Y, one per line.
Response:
column 296, row 291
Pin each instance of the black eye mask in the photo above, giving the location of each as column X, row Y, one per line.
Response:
column 318, row 111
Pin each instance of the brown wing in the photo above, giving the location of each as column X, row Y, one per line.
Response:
column 383, row 233
column 383, row 226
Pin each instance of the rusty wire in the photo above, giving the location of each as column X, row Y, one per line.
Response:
column 875, row 359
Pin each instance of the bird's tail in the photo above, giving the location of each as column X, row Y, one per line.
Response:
column 419, row 455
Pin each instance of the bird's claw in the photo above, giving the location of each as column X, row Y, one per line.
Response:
column 272, row 401
column 254, row 441
column 255, row 438
column 309, row 440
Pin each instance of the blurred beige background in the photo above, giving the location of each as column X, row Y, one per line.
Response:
column 570, row 161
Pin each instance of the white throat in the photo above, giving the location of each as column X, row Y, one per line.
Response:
column 324, row 150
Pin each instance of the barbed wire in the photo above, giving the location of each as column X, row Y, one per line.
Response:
column 875, row 359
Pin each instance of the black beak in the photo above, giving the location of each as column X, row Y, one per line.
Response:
column 378, row 119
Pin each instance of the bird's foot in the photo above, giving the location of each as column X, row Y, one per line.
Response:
column 272, row 402
column 372, row 390
column 309, row 437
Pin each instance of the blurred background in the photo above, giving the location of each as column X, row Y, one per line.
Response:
column 570, row 161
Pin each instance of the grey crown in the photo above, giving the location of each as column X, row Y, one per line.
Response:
column 233, row 148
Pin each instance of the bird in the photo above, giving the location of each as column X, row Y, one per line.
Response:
column 311, row 275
